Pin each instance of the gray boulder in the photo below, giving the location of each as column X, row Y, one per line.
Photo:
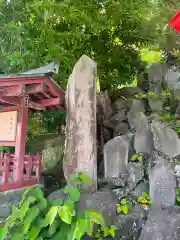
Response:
column 130, row 225
column 115, row 157
column 166, row 140
column 162, row 224
column 162, row 185
column 103, row 201
column 143, row 142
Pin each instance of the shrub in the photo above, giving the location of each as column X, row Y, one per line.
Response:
column 37, row 218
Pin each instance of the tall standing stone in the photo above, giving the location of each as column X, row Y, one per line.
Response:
column 162, row 185
column 80, row 147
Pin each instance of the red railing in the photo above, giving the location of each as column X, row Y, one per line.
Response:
column 32, row 168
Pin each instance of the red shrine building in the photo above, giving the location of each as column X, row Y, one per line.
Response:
column 18, row 94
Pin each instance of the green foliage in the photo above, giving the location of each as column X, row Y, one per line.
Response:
column 163, row 95
column 144, row 200
column 171, row 120
column 106, row 232
column 122, row 207
column 34, row 32
column 178, row 196
column 4, row 149
column 37, row 218
column 137, row 157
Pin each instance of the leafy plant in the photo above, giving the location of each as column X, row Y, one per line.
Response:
column 122, row 207
column 178, row 196
column 137, row 157
column 144, row 200
column 37, row 218
column 106, row 232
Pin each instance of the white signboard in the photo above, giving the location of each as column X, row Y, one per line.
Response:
column 8, row 125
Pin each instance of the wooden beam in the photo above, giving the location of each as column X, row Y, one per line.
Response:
column 36, row 88
column 11, row 100
column 18, row 90
column 5, row 82
column 13, row 91
column 50, row 102
column 55, row 89
column 36, row 106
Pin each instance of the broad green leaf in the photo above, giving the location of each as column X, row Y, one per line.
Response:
column 37, row 193
column 17, row 236
column 123, row 201
column 96, row 217
column 118, row 208
column 15, row 212
column 125, row 209
column 71, row 231
column 142, row 200
column 89, row 226
column 43, row 203
column 178, row 199
column 30, row 217
column 71, row 206
column 133, row 158
column 140, row 158
column 3, row 232
column 53, row 227
column 65, row 214
column 145, row 194
column 34, row 232
column 62, row 234
column 51, row 215
column 29, row 189
column 25, row 207
column 75, row 178
column 85, row 179
column 80, row 229
column 25, row 227
column 177, row 191
column 74, row 193
column 106, row 231
column 98, row 235
column 112, row 231
column 25, row 193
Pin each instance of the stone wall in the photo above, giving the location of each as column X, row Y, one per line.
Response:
column 138, row 152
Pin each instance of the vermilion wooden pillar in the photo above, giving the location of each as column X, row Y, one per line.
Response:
column 21, row 139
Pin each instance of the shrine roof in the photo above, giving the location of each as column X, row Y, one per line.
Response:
column 37, row 84
column 44, row 93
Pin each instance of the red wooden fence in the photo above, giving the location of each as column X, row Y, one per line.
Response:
column 8, row 168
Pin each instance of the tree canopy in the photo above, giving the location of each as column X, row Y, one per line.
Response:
column 115, row 33
column 112, row 32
